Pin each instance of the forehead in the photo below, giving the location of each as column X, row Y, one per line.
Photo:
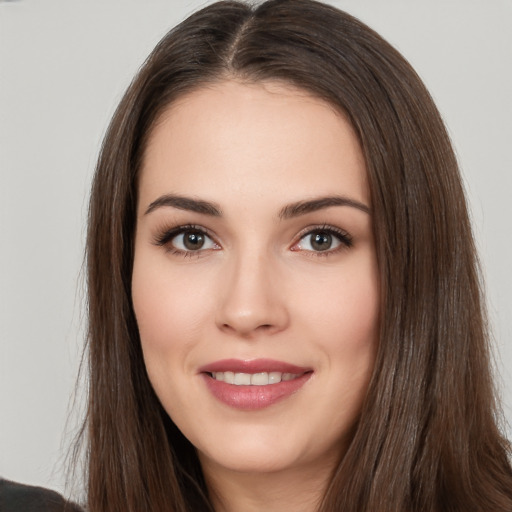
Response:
column 240, row 138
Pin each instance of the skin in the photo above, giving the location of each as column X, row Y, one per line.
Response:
column 258, row 288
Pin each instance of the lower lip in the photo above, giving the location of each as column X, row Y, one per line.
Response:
column 251, row 398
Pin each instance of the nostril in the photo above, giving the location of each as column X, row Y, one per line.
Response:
column 246, row 330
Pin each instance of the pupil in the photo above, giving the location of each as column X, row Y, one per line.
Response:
column 321, row 241
column 193, row 240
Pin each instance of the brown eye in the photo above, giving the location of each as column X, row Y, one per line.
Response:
column 321, row 241
column 190, row 240
column 324, row 240
column 193, row 240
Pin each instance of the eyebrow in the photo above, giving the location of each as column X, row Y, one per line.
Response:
column 185, row 203
column 289, row 211
column 304, row 207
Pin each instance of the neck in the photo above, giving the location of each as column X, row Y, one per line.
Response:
column 298, row 489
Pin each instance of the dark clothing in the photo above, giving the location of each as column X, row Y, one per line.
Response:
column 16, row 497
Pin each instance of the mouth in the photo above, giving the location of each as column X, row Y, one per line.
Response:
column 255, row 384
column 253, row 379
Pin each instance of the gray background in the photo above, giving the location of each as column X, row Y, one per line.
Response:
column 63, row 67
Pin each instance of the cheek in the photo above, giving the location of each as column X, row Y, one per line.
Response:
column 342, row 316
column 170, row 310
column 344, row 306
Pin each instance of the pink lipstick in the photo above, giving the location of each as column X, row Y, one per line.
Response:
column 254, row 384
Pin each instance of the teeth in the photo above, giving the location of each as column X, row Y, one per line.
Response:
column 254, row 379
column 242, row 379
column 274, row 377
column 259, row 379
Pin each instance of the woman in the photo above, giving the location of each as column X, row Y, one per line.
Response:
column 284, row 305
column 414, row 425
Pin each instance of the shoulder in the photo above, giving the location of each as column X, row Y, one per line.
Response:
column 16, row 497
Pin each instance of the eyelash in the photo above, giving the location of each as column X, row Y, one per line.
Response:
column 164, row 239
column 344, row 238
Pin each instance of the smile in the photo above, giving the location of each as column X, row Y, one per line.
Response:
column 253, row 379
column 254, row 384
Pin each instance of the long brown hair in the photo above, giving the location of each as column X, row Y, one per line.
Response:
column 427, row 437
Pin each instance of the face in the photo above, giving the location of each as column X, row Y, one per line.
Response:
column 255, row 281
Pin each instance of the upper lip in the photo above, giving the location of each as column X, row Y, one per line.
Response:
column 252, row 366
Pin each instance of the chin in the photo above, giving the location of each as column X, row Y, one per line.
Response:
column 251, row 459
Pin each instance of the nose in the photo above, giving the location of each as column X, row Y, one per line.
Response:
column 252, row 299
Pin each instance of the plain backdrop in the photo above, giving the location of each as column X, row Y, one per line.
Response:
column 64, row 65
